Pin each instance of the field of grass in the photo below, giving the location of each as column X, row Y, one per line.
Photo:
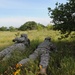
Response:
column 60, row 63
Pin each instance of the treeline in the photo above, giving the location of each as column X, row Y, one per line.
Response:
column 11, row 28
column 30, row 25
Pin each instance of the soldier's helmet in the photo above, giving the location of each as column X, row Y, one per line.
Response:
column 24, row 35
column 48, row 38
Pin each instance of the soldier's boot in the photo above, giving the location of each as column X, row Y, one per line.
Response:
column 42, row 70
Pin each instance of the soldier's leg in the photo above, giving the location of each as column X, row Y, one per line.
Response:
column 10, row 49
column 44, row 62
column 22, row 62
column 6, row 57
column 34, row 55
column 4, row 52
column 31, row 57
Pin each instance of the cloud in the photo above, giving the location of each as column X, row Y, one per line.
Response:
column 18, row 21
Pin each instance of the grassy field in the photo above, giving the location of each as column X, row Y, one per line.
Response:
column 61, row 63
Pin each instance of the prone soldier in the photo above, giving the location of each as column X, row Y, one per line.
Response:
column 43, row 50
column 20, row 44
column 23, row 39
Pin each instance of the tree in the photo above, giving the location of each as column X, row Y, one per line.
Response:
column 49, row 27
column 11, row 28
column 3, row 28
column 62, row 16
column 40, row 26
column 30, row 25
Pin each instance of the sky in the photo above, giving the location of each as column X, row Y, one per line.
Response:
column 17, row 12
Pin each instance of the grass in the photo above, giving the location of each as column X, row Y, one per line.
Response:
column 60, row 63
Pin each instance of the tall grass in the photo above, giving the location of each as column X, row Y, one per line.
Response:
column 60, row 63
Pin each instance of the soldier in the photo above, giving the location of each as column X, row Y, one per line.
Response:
column 43, row 50
column 23, row 39
column 20, row 44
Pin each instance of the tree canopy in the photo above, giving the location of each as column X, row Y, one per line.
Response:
column 62, row 16
column 3, row 28
column 30, row 25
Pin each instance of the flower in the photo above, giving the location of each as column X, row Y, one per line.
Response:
column 17, row 72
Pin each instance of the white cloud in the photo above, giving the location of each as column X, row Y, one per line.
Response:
column 18, row 21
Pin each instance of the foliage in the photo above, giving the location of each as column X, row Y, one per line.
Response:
column 30, row 25
column 3, row 28
column 50, row 27
column 40, row 26
column 11, row 28
column 62, row 16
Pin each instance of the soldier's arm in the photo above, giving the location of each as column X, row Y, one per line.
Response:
column 53, row 47
column 14, row 40
column 19, row 40
column 28, row 42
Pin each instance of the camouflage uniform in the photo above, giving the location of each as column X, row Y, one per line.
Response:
column 43, row 50
column 23, row 39
column 20, row 44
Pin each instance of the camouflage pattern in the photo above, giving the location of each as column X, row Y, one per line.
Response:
column 23, row 39
column 20, row 44
column 43, row 50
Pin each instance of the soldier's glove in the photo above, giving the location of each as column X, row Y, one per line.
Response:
column 13, row 40
column 18, row 65
column 17, row 40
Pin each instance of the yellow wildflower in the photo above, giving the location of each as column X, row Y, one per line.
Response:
column 17, row 72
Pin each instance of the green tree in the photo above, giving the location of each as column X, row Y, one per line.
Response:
column 30, row 25
column 3, row 28
column 11, row 28
column 49, row 27
column 40, row 26
column 62, row 16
